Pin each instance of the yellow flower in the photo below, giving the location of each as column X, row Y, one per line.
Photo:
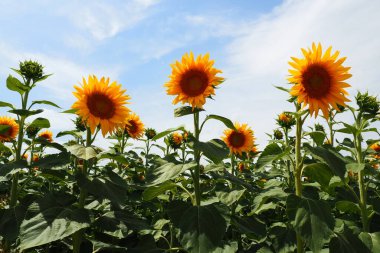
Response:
column 193, row 80
column 100, row 102
column 177, row 138
column 319, row 80
column 134, row 126
column 12, row 128
column 239, row 140
column 48, row 135
column 375, row 147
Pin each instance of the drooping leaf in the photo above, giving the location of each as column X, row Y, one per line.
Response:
column 166, row 172
column 319, row 172
column 186, row 110
column 15, row 85
column 40, row 123
column 355, row 167
column 215, row 150
column 227, row 122
column 5, row 104
column 346, row 206
column 45, row 102
column 346, row 241
column 153, row 191
column 167, row 131
column 53, row 160
column 25, row 113
column 251, row 226
column 228, row 198
column 82, row 152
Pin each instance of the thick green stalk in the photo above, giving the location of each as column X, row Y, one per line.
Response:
column 197, row 160
column 77, row 236
column 298, row 172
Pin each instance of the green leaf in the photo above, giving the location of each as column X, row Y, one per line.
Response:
column 320, row 173
column 355, row 167
column 333, row 159
column 168, row 131
column 348, row 129
column 251, row 226
column 271, row 153
column 5, row 104
column 40, row 123
column 201, row 227
column 51, row 225
column 53, row 161
column 186, row 110
column 153, row 191
column 228, row 123
column 15, row 85
column 346, row 241
column 25, row 113
column 228, row 198
column 42, row 78
column 312, row 219
column 166, row 172
column 371, row 240
column 215, row 150
column 283, row 236
column 71, row 111
column 270, row 194
column 11, row 168
column 346, row 206
column 81, row 151
column 71, row 133
column 318, row 137
column 45, row 102
column 282, row 88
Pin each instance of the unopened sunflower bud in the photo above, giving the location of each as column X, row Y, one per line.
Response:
column 319, row 127
column 80, row 124
column 150, row 133
column 367, row 104
column 31, row 70
column 175, row 140
column 286, row 120
column 31, row 131
column 278, row 135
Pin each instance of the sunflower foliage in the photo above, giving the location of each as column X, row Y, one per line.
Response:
column 312, row 188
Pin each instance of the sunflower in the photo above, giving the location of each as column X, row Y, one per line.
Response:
column 134, row 126
column 47, row 135
column 11, row 129
column 100, row 102
column 193, row 80
column 239, row 140
column 375, row 147
column 319, row 80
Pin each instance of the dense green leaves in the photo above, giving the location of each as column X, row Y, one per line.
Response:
column 166, row 172
column 271, row 153
column 215, row 150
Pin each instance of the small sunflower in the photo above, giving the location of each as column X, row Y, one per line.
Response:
column 100, row 102
column 11, row 130
column 375, row 147
column 286, row 120
column 47, row 135
column 193, row 80
column 175, row 140
column 134, row 126
column 239, row 140
column 319, row 80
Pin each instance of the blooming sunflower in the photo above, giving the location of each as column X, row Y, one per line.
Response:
column 193, row 80
column 319, row 80
column 134, row 126
column 11, row 128
column 375, row 147
column 48, row 135
column 239, row 140
column 100, row 102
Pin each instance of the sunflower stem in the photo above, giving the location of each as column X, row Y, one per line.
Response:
column 77, row 236
column 197, row 160
column 298, row 171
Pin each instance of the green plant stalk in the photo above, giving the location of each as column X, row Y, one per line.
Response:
column 286, row 132
column 330, row 124
column 147, row 152
column 197, row 160
column 298, row 172
column 77, row 236
column 233, row 171
column 14, row 191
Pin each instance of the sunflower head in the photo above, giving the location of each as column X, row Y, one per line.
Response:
column 175, row 140
column 368, row 105
column 277, row 134
column 47, row 135
column 375, row 147
column 150, row 133
column 286, row 120
column 8, row 129
column 319, row 127
column 31, row 70
column 319, row 80
column 193, row 80
column 36, row 158
column 239, row 140
column 100, row 102
column 25, row 156
column 31, row 131
column 241, row 167
column 134, row 127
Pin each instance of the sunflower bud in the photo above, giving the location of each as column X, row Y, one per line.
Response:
column 341, row 108
column 241, row 167
column 278, row 135
column 319, row 127
column 150, row 133
column 31, row 70
column 286, row 120
column 175, row 140
column 80, row 124
column 31, row 131
column 368, row 105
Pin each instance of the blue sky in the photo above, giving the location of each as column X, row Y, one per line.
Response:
column 134, row 42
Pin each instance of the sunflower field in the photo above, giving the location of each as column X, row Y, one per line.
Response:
column 312, row 188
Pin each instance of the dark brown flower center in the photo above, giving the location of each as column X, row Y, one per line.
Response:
column 101, row 106
column 237, row 139
column 132, row 127
column 316, row 81
column 194, row 82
